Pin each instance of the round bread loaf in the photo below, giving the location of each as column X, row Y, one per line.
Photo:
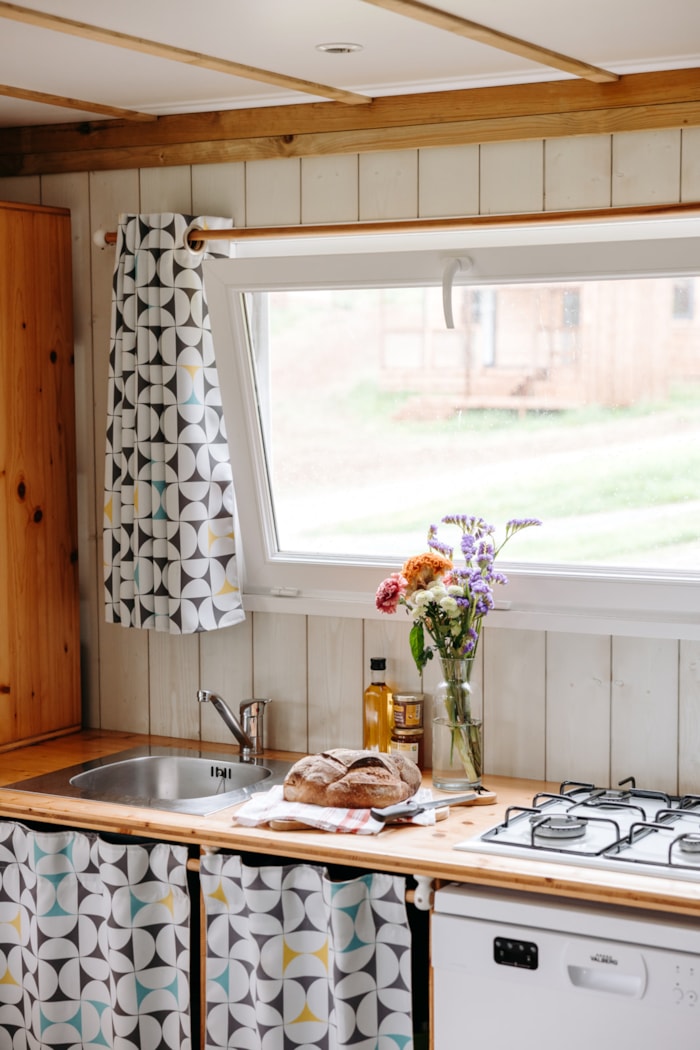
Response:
column 352, row 779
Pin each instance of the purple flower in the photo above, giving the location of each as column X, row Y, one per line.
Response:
column 467, row 544
column 441, row 548
column 515, row 524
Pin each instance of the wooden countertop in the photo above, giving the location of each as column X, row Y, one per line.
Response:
column 406, row 849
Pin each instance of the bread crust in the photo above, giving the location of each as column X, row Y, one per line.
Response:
column 352, row 779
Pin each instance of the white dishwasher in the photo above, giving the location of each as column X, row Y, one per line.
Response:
column 544, row 973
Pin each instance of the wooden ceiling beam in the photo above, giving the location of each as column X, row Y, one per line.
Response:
column 113, row 38
column 9, row 91
column 644, row 101
column 438, row 19
column 368, row 140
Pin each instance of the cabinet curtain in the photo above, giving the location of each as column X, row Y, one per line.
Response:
column 94, row 942
column 295, row 960
column 169, row 514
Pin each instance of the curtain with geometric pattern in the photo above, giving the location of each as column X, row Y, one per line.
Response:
column 94, row 943
column 169, row 518
column 297, row 962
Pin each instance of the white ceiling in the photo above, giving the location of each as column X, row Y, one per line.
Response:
column 400, row 55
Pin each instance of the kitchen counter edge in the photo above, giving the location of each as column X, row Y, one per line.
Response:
column 407, row 849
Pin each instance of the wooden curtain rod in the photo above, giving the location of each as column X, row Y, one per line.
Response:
column 195, row 237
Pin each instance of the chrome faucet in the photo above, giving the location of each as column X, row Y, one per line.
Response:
column 248, row 730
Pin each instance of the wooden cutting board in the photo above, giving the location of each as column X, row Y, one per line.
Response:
column 483, row 798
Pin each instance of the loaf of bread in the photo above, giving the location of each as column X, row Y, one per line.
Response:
column 352, row 779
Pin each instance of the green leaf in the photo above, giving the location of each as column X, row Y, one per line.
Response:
column 420, row 654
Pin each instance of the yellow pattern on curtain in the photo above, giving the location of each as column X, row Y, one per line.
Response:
column 169, row 535
column 296, row 960
column 94, row 942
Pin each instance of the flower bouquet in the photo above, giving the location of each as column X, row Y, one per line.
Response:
column 448, row 603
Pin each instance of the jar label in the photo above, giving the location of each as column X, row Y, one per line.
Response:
column 407, row 713
column 407, row 749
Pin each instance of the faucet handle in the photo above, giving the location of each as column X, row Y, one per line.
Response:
column 251, row 712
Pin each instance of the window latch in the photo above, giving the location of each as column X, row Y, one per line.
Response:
column 454, row 266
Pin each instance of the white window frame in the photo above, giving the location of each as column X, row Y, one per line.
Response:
column 550, row 597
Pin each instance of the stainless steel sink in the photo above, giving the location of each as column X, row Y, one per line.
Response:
column 174, row 779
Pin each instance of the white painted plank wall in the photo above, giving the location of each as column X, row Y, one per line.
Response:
column 556, row 705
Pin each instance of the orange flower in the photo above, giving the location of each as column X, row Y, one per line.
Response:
column 424, row 569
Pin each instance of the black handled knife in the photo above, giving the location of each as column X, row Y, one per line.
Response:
column 410, row 808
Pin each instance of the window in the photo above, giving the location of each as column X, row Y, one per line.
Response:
column 684, row 300
column 357, row 417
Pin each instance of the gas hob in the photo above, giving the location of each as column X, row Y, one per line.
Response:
column 624, row 829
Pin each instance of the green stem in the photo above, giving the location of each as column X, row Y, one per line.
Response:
column 464, row 735
column 466, row 739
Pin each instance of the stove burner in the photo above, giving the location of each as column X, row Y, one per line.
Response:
column 559, row 827
column 612, row 795
column 690, row 843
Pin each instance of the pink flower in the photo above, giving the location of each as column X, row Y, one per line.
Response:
column 390, row 592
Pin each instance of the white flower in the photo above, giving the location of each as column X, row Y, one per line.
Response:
column 449, row 605
column 456, row 589
column 420, row 598
column 438, row 590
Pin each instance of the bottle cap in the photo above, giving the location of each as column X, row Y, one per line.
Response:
column 377, row 663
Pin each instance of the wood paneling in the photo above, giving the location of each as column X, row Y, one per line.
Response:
column 646, row 168
column 226, row 667
column 389, row 185
column 577, row 172
column 578, row 707
column 645, row 712
column 549, row 702
column 280, row 672
column 219, row 189
column 273, row 193
column 690, row 164
column 514, row 723
column 500, row 191
column 689, row 719
column 173, row 664
column 329, row 189
column 448, row 181
column 39, row 614
column 335, row 682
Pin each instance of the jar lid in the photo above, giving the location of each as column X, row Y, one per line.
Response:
column 377, row 663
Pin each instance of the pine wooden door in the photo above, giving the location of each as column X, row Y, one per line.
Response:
column 39, row 610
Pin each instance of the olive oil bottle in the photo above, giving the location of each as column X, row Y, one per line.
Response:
column 377, row 709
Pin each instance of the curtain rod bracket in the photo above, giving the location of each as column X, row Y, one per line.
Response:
column 423, row 893
column 99, row 239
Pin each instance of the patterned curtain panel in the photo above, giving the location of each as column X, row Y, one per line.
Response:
column 94, row 943
column 297, row 961
column 169, row 538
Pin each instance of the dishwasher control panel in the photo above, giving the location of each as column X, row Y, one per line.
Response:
column 510, row 952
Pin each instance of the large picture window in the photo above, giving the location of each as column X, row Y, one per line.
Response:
column 374, row 385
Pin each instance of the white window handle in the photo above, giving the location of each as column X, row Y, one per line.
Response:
column 454, row 266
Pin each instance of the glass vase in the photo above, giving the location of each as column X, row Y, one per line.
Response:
column 457, row 762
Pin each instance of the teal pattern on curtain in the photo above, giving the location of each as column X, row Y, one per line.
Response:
column 298, row 962
column 94, row 943
column 169, row 519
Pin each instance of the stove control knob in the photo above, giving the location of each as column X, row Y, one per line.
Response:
column 677, row 994
column 691, row 998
